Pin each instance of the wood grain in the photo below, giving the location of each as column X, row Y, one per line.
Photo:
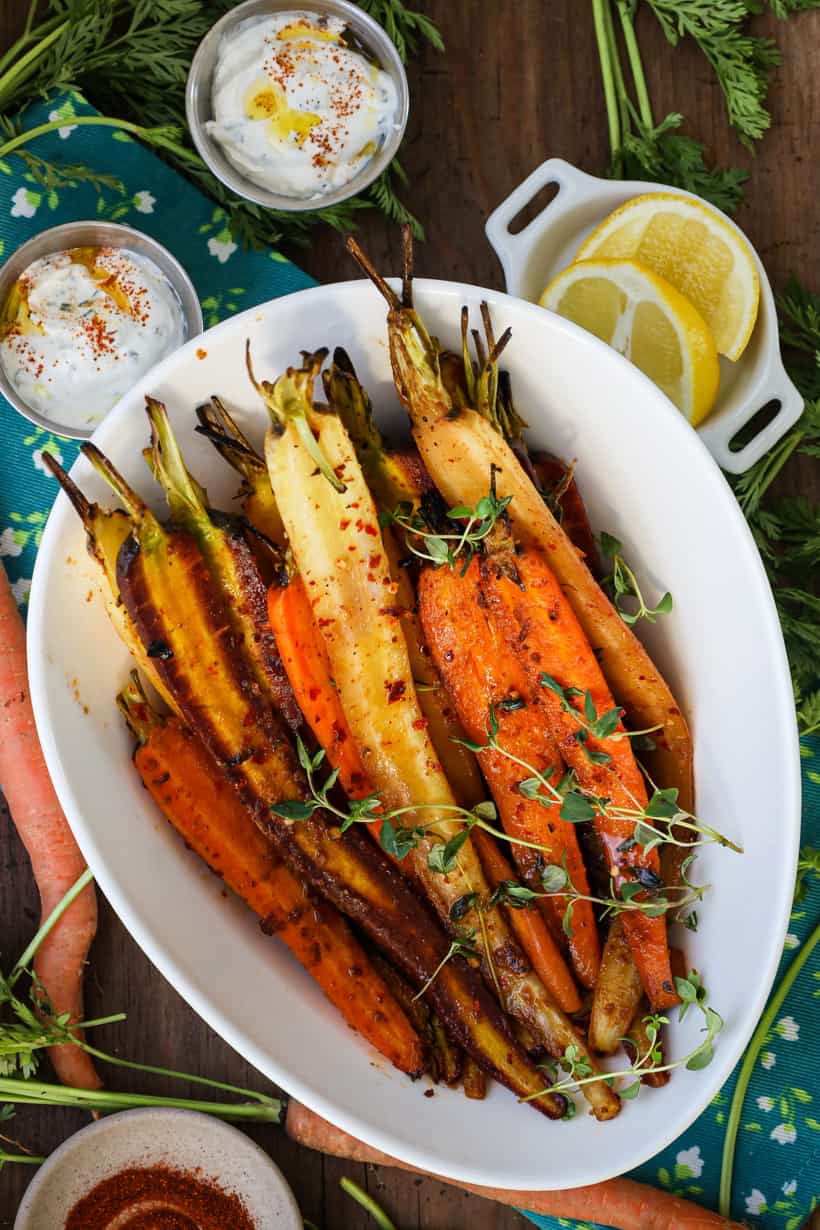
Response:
column 519, row 83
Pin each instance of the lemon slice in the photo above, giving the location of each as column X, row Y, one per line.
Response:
column 647, row 320
column 695, row 249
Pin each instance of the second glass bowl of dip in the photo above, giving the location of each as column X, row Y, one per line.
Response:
column 374, row 43
column 62, row 418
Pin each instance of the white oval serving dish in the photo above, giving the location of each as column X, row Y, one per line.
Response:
column 648, row 479
column 533, row 256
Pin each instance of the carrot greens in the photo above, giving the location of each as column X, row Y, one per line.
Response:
column 29, row 1025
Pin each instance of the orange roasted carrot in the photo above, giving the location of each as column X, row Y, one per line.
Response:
column 479, row 670
column 56, row 861
column 530, row 929
column 536, row 619
column 306, row 663
column 202, row 805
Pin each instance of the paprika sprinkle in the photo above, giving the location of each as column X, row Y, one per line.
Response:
column 159, row 1198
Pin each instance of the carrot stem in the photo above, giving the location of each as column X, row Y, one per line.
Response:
column 23, row 961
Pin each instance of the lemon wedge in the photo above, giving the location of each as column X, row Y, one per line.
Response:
column 642, row 315
column 695, row 249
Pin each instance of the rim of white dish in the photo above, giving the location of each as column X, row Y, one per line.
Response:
column 784, row 722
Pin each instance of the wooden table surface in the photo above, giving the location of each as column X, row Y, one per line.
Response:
column 519, row 83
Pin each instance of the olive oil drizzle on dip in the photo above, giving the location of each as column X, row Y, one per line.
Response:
column 299, row 107
column 81, row 326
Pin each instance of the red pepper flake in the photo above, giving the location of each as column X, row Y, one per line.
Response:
column 395, row 690
column 201, row 354
column 159, row 1198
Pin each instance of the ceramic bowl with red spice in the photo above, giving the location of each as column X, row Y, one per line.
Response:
column 297, row 106
column 86, row 309
column 133, row 1167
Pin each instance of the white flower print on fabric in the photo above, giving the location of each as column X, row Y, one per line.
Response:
column 767, row 1060
column 24, row 203
column 63, row 113
column 692, row 1160
column 144, row 202
column 784, row 1134
column 222, row 249
column 790, row 1188
column 766, row 1103
column 756, row 1201
column 20, row 589
column 788, row 1029
column 791, row 941
column 39, row 464
column 8, row 542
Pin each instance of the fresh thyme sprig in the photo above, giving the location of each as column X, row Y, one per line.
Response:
column 594, row 725
column 622, row 583
column 646, row 894
column 580, row 806
column 578, row 1069
column 462, row 944
column 442, row 549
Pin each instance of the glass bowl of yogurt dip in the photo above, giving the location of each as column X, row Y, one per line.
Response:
column 295, row 107
column 86, row 309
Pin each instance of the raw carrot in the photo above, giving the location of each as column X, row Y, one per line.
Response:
column 619, row 1203
column 539, row 623
column 530, row 929
column 480, row 671
column 55, row 858
column 200, row 802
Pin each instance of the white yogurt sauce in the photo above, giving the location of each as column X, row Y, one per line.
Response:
column 296, row 110
column 81, row 326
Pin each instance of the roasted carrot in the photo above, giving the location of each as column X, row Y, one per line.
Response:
column 394, row 478
column 530, row 929
column 56, row 861
column 229, row 559
column 618, row 993
column 538, row 622
column 621, row 1204
column 559, row 488
column 460, row 449
column 481, row 671
column 308, row 668
column 195, row 795
column 333, row 530
column 177, row 608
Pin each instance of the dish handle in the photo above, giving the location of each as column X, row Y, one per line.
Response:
column 512, row 249
column 775, row 386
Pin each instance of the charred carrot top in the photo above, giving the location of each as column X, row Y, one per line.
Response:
column 480, row 671
column 537, row 621
column 202, row 805
column 559, row 488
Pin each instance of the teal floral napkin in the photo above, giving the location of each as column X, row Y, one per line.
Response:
column 778, row 1154
column 777, row 1161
